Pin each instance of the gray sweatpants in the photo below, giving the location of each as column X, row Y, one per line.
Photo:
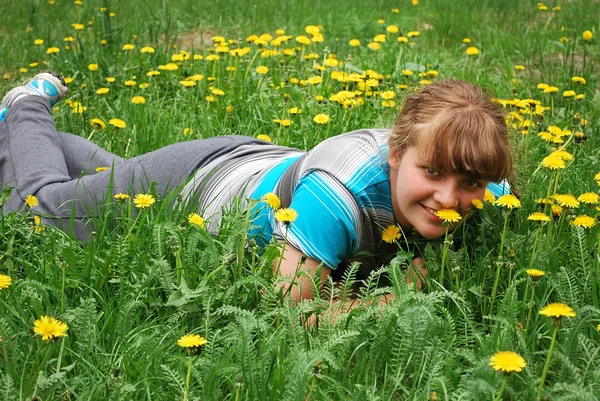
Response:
column 60, row 168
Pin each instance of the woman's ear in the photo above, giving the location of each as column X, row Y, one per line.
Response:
column 394, row 156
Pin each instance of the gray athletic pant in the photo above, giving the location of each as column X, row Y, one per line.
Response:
column 60, row 168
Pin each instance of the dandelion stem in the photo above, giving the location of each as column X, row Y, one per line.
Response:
column 444, row 253
column 499, row 396
column 530, row 307
column 287, row 227
column 495, row 287
column 547, row 365
column 188, row 378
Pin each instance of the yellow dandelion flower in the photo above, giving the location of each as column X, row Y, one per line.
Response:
column 508, row 201
column 354, row 42
column 374, row 46
column 579, row 80
column 138, row 100
column 102, row 168
column 38, row 42
column 321, row 118
column 535, row 273
column 557, row 310
column 31, row 201
column 507, row 361
column 52, row 50
column 413, row 34
column 587, row 35
column 550, row 89
column 5, row 281
column 553, row 162
column 489, row 196
column 388, row 103
column 538, row 216
column 472, row 51
column 566, row 200
column 49, row 328
column 93, row 67
column 128, row 46
column 556, row 210
column 102, row 91
column 272, row 200
column 98, row 124
column 130, row 82
column 261, row 70
column 196, row 220
column 264, row 137
column 143, row 201
column 589, row 198
column 584, row 221
column 391, row 233
column 286, row 215
column 282, row 122
column 191, row 341
column 121, row 197
column 477, row 204
column 569, row 93
column 117, row 123
column 147, row 49
column 448, row 215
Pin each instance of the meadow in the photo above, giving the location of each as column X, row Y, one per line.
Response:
column 521, row 275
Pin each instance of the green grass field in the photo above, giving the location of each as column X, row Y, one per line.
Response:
column 160, row 71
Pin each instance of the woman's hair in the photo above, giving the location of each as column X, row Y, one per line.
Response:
column 457, row 128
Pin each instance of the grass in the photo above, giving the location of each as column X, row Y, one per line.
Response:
column 141, row 283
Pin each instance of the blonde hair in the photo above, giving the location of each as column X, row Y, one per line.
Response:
column 457, row 128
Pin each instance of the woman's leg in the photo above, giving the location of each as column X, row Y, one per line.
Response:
column 32, row 160
column 83, row 157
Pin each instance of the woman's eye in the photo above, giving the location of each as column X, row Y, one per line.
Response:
column 472, row 183
column 432, row 171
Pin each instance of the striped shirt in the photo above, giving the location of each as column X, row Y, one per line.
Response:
column 340, row 189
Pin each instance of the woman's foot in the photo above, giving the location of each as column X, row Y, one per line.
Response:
column 46, row 84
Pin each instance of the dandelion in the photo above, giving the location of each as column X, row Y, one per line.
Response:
column 191, row 341
column 31, row 201
column 130, row 82
column 508, row 201
column 550, row 89
column 556, row 311
column 117, row 123
column 143, row 201
column 507, row 361
column 138, row 100
column 272, row 200
column 147, row 49
column 566, row 200
column 472, row 51
column 391, row 233
column 589, row 198
column 538, row 217
column 584, row 221
column 321, row 118
column 553, row 162
column 535, row 274
column 374, row 46
column 38, row 42
column 93, row 67
column 5, row 281
column 354, row 42
column 578, row 80
column 448, row 216
column 262, row 70
column 264, row 137
column 282, row 122
column 413, row 34
column 477, row 204
column 121, row 197
column 587, row 35
column 569, row 93
column 489, row 196
column 128, row 46
column 49, row 328
column 98, row 124
column 295, row 110
column 196, row 220
column 52, row 50
column 102, row 168
column 102, row 91
column 286, row 215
